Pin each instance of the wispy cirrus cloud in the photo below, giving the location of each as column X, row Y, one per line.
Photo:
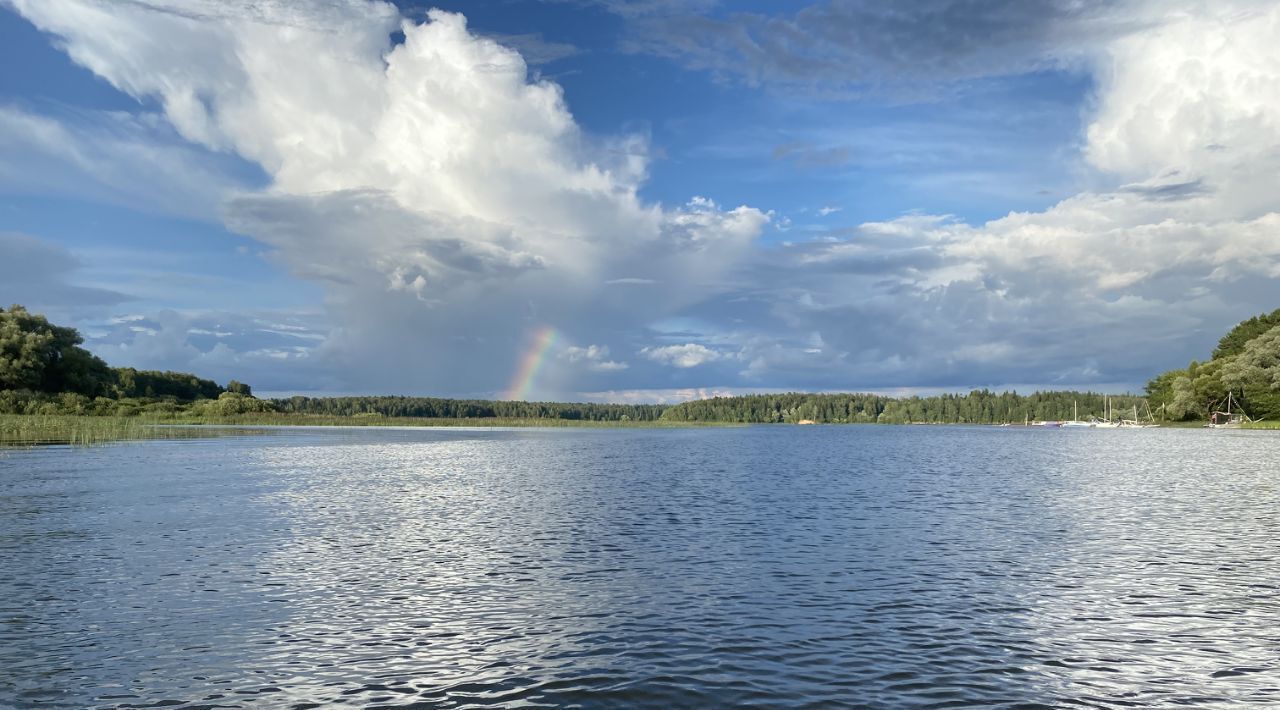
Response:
column 43, row 276
column 841, row 46
column 535, row 49
column 133, row 160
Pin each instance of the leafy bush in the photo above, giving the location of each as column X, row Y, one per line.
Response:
column 230, row 404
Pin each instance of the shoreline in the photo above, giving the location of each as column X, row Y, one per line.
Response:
column 19, row 430
column 23, row 430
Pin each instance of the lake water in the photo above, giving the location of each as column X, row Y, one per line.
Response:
column 780, row 566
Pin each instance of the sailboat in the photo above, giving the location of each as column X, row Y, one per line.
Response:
column 1137, row 423
column 1075, row 418
column 1228, row 419
column 1106, row 423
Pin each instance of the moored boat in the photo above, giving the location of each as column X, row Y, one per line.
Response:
column 1075, row 422
column 1228, row 419
column 1137, row 423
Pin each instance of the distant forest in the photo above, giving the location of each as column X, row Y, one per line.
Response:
column 977, row 407
column 435, row 407
column 43, row 370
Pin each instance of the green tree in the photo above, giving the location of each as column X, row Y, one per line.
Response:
column 1182, row 402
column 1255, row 374
column 1199, row 392
column 240, row 388
column 151, row 383
column 1234, row 342
column 231, row 404
column 25, row 348
column 1244, row 364
column 1258, row 363
column 35, row 354
column 1160, row 388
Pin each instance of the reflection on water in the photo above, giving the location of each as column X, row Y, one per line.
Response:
column 782, row 566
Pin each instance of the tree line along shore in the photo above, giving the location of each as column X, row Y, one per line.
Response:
column 49, row 384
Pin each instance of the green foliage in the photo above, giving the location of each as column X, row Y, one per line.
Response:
column 230, row 404
column 25, row 349
column 29, row 430
column 152, row 383
column 37, row 355
column 1160, row 389
column 1234, row 342
column 1197, row 391
column 977, row 407
column 1257, row 364
column 788, row 407
column 1255, row 373
column 81, row 431
column 240, row 388
column 438, row 408
column 1246, row 365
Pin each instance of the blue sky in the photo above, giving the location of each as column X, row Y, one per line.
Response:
column 698, row 197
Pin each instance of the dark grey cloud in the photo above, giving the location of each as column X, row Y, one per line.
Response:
column 866, row 44
column 855, row 332
column 41, row 275
column 433, row 303
column 1169, row 191
column 436, row 248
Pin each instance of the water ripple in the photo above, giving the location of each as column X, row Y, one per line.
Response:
column 798, row 567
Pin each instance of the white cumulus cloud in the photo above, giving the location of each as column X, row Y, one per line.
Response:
column 449, row 203
column 686, row 355
column 594, row 357
column 451, row 206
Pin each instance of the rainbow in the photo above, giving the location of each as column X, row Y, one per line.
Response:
column 543, row 338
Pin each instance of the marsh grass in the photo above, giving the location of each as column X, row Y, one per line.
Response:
column 1263, row 425
column 35, row 430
